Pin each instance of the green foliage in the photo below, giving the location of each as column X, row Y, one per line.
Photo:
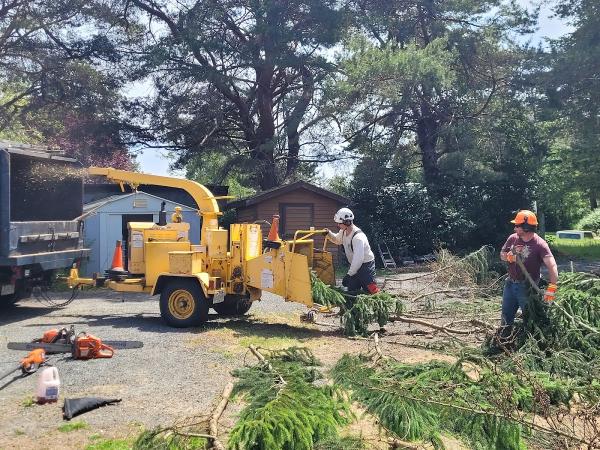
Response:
column 340, row 443
column 72, row 426
column 286, row 409
column 164, row 439
column 110, row 444
column 364, row 309
column 238, row 80
column 324, row 294
column 576, row 248
column 562, row 338
column 419, row 402
column 590, row 222
column 356, row 312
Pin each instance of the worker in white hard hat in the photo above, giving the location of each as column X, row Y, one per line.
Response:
column 361, row 274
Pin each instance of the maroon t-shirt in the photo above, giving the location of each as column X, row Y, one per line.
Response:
column 532, row 254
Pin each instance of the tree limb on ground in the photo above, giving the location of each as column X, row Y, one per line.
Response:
column 216, row 415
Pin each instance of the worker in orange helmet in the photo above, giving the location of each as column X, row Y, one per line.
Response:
column 533, row 251
column 361, row 273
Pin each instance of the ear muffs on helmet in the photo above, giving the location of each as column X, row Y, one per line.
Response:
column 526, row 220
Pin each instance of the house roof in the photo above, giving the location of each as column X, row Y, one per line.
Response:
column 280, row 190
column 89, row 208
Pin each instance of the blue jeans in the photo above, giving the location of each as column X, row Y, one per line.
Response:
column 514, row 296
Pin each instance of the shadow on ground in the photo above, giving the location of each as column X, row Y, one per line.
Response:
column 240, row 326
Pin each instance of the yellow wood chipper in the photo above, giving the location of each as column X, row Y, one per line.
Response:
column 227, row 271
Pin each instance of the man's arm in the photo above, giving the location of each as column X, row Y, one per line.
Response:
column 506, row 250
column 550, row 263
column 335, row 238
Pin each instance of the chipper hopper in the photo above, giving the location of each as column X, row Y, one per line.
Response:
column 227, row 271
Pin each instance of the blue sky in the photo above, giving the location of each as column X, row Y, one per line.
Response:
column 156, row 162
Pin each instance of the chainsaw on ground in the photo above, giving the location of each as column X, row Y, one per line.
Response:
column 81, row 345
column 28, row 365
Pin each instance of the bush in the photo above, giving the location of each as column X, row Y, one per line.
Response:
column 590, row 222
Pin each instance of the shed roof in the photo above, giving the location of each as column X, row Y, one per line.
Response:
column 280, row 190
column 89, row 208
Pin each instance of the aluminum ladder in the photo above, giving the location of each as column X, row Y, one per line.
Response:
column 386, row 256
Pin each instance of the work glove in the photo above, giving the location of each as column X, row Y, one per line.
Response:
column 511, row 257
column 550, row 293
column 325, row 231
column 346, row 280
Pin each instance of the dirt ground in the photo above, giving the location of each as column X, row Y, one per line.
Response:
column 181, row 373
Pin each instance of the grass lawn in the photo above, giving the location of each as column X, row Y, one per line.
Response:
column 577, row 248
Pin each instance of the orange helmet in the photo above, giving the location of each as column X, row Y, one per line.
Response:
column 525, row 216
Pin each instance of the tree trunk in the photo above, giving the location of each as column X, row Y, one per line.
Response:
column 427, row 136
column 293, row 123
column 593, row 200
column 263, row 149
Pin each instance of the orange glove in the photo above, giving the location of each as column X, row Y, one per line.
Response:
column 550, row 293
column 511, row 257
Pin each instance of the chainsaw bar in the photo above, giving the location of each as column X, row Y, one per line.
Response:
column 67, row 348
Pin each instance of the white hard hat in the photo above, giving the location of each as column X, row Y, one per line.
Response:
column 343, row 215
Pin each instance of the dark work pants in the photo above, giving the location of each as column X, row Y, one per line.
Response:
column 362, row 278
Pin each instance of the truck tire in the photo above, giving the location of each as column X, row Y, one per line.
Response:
column 8, row 301
column 183, row 304
column 233, row 305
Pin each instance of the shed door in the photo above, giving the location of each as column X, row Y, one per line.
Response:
column 295, row 216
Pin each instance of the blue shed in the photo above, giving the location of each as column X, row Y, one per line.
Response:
column 105, row 222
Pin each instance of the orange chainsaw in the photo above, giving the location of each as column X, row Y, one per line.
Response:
column 28, row 365
column 81, row 346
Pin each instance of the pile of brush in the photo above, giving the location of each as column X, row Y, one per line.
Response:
column 358, row 311
column 562, row 337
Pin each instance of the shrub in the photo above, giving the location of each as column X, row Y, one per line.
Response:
column 590, row 221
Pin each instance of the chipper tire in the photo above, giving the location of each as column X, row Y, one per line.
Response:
column 233, row 305
column 183, row 304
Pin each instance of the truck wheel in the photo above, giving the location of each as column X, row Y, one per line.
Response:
column 182, row 303
column 8, row 301
column 233, row 305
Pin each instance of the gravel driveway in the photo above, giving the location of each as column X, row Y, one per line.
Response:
column 178, row 373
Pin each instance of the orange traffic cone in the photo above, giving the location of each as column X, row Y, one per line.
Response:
column 117, row 261
column 273, row 232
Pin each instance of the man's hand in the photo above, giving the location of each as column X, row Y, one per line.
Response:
column 325, row 231
column 511, row 257
column 550, row 293
column 346, row 280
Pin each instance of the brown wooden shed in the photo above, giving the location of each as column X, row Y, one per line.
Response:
column 300, row 205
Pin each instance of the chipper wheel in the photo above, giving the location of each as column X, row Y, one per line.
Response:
column 233, row 305
column 182, row 303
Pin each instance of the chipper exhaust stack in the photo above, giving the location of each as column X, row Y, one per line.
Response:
column 226, row 272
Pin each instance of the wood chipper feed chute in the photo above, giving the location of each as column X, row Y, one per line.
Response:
column 284, row 268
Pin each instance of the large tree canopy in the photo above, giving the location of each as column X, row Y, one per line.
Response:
column 57, row 83
column 431, row 91
column 235, row 77
column 418, row 70
column 572, row 86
